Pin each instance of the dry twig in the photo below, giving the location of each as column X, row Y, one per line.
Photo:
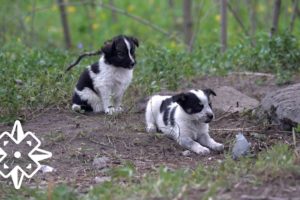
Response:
column 82, row 56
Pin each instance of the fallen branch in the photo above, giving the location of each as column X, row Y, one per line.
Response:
column 253, row 74
column 82, row 56
column 243, row 130
column 235, row 15
column 294, row 14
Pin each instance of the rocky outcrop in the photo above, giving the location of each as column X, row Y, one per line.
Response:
column 282, row 106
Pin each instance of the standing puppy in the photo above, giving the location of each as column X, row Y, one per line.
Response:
column 102, row 85
column 184, row 118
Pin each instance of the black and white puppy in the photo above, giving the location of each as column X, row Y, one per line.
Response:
column 184, row 117
column 102, row 85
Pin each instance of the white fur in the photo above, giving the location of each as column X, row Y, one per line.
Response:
column 129, row 48
column 110, row 85
column 190, row 130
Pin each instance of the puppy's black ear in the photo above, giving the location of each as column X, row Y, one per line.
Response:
column 179, row 98
column 209, row 92
column 135, row 41
column 108, row 47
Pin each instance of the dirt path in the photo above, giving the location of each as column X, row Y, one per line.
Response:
column 76, row 139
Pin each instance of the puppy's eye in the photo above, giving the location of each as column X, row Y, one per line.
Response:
column 120, row 54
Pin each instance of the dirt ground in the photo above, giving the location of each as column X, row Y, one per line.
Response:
column 76, row 139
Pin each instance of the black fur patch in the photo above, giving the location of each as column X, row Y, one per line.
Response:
column 85, row 81
column 172, row 118
column 165, row 104
column 83, row 104
column 189, row 102
column 95, row 68
column 166, row 115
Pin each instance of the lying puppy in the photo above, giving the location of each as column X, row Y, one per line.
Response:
column 184, row 117
column 102, row 85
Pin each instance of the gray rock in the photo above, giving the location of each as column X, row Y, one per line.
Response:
column 282, row 106
column 102, row 179
column 241, row 146
column 186, row 153
column 231, row 100
column 101, row 162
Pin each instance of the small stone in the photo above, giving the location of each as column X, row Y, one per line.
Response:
column 259, row 136
column 241, row 146
column 19, row 82
column 186, row 153
column 46, row 169
column 101, row 162
column 102, row 179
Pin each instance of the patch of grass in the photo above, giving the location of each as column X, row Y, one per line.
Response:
column 165, row 183
column 33, row 78
column 276, row 162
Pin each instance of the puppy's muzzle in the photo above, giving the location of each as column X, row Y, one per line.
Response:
column 209, row 117
column 132, row 64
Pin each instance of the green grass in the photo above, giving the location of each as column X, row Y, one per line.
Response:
column 92, row 25
column 34, row 78
column 278, row 162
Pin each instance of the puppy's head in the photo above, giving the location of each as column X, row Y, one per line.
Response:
column 120, row 51
column 197, row 104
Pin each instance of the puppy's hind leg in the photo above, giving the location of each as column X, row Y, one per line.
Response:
column 79, row 105
column 190, row 144
column 150, row 120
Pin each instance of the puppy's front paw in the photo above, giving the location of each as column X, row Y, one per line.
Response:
column 203, row 151
column 218, row 147
column 110, row 110
column 76, row 108
column 151, row 128
column 119, row 109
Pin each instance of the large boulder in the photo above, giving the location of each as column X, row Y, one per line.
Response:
column 231, row 100
column 282, row 106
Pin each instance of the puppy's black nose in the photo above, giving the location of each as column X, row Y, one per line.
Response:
column 210, row 116
column 132, row 64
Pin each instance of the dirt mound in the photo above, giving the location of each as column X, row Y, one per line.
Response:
column 231, row 100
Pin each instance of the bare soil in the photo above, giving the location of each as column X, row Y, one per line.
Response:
column 76, row 139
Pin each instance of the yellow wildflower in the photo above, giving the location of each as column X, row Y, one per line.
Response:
column 130, row 8
column 71, row 9
column 27, row 19
column 54, row 8
column 261, row 8
column 218, row 18
column 290, row 10
column 95, row 26
column 173, row 45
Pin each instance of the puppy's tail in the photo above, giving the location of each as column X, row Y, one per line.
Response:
column 82, row 56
